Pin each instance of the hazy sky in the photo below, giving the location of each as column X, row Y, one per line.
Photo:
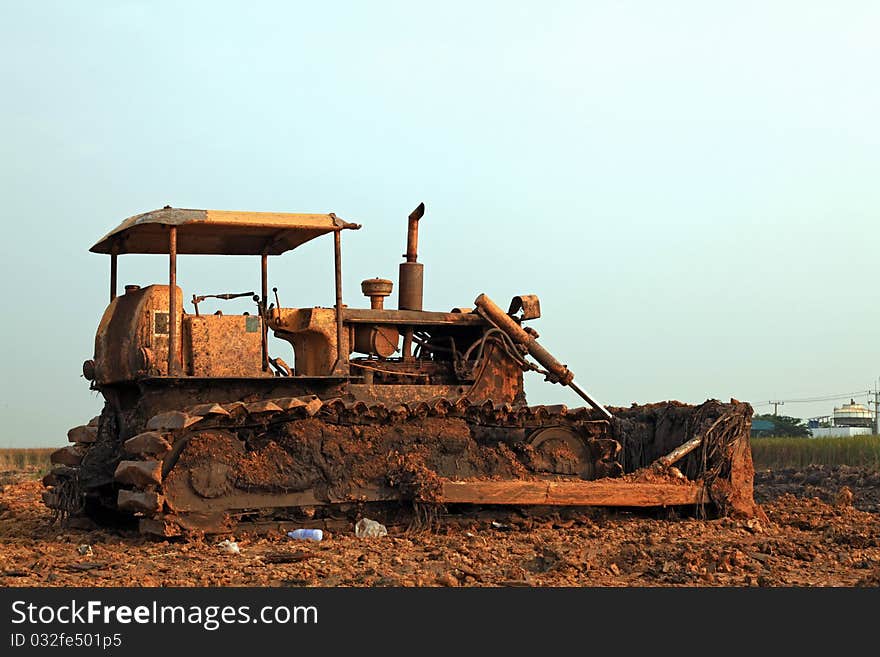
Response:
column 690, row 187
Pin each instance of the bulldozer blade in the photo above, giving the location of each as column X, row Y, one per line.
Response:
column 602, row 492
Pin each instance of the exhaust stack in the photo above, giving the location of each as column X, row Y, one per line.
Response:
column 411, row 287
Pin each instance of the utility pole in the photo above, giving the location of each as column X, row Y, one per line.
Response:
column 877, row 407
column 776, row 403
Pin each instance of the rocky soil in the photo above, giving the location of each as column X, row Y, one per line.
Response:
column 823, row 530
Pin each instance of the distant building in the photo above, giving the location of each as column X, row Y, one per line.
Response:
column 848, row 420
column 840, row 432
column 763, row 428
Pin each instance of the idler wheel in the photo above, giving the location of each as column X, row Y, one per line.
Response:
column 559, row 450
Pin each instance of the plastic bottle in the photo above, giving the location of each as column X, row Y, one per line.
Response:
column 306, row 534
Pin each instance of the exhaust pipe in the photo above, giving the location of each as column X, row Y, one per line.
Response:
column 411, row 287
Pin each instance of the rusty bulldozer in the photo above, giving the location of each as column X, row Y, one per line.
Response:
column 393, row 410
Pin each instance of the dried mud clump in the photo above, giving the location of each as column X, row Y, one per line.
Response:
column 339, row 459
column 723, row 461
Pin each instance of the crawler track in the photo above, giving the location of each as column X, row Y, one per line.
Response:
column 303, row 459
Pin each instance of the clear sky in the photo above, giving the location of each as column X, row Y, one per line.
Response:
column 690, row 187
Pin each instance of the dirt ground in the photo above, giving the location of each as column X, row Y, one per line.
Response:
column 823, row 530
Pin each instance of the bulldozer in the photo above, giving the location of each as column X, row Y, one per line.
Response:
column 374, row 409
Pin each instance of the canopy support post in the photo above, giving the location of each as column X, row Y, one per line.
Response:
column 172, row 301
column 264, row 303
column 341, row 365
column 113, row 275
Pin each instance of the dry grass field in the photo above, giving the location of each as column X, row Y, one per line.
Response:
column 778, row 453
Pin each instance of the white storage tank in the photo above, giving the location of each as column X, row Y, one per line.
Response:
column 853, row 415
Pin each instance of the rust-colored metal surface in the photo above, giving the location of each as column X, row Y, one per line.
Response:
column 499, row 377
column 174, row 364
column 376, row 289
column 219, row 232
column 133, row 336
column 411, row 272
column 527, row 341
column 610, row 492
column 380, row 406
column 527, row 305
column 410, row 317
column 313, row 334
column 224, row 345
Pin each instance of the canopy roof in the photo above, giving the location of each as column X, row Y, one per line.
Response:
column 218, row 232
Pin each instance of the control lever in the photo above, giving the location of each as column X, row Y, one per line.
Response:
column 197, row 299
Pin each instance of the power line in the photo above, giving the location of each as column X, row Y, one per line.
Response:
column 808, row 400
column 842, row 395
